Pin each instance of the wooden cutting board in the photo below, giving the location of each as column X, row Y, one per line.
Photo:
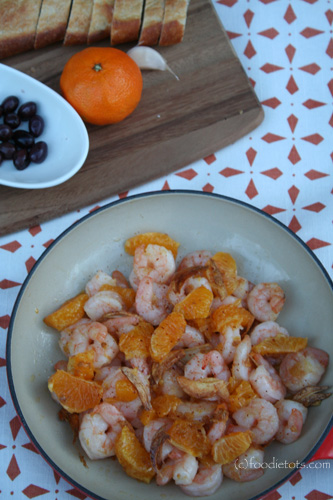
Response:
column 177, row 121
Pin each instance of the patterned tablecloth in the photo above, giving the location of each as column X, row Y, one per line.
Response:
column 284, row 167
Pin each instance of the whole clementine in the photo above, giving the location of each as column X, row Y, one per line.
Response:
column 103, row 84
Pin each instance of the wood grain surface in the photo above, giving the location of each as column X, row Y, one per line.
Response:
column 177, row 121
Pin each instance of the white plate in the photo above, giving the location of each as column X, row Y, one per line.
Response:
column 264, row 250
column 64, row 132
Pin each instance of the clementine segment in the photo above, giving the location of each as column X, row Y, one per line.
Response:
column 241, row 396
column 132, row 456
column 125, row 391
column 228, row 268
column 233, row 316
column 281, row 344
column 229, row 447
column 190, row 437
column 103, row 84
column 166, row 335
column 69, row 313
column 196, row 304
column 152, row 238
column 136, row 342
column 82, row 365
column 73, row 393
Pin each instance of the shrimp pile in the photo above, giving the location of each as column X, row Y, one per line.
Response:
column 181, row 370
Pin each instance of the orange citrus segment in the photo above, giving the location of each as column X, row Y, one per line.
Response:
column 281, row 344
column 132, row 456
column 196, row 304
column 189, row 436
column 165, row 404
column 161, row 239
column 233, row 316
column 82, row 365
column 127, row 294
column 69, row 313
column 125, row 391
column 228, row 268
column 166, row 335
column 229, row 447
column 241, row 396
column 136, row 342
column 74, row 394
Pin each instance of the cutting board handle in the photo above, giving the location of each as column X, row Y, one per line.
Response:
column 325, row 451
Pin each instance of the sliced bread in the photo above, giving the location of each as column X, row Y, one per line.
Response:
column 126, row 21
column 100, row 24
column 18, row 23
column 52, row 22
column 152, row 22
column 174, row 21
column 79, row 22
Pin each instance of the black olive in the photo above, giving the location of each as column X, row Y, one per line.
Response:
column 13, row 120
column 21, row 159
column 27, row 110
column 10, row 104
column 38, row 152
column 7, row 149
column 23, row 139
column 5, row 132
column 1, row 111
column 36, row 125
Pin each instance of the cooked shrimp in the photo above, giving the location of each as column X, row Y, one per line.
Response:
column 102, row 303
column 120, row 279
column 247, row 467
column 109, row 376
column 151, row 302
column 217, row 430
column 204, row 365
column 196, row 410
column 292, row 416
column 121, row 323
column 304, row 368
column 197, row 258
column 243, row 289
column 265, row 301
column 191, row 338
column 152, row 261
column 266, row 330
column 169, row 383
column 95, row 283
column 229, row 340
column 89, row 335
column 187, row 287
column 179, row 466
column 99, row 430
column 150, row 431
column 261, row 417
column 206, row 482
column 266, row 381
column 241, row 366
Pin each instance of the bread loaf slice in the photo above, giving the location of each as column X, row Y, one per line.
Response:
column 79, row 22
column 126, row 21
column 18, row 22
column 152, row 22
column 174, row 21
column 101, row 18
column 52, row 22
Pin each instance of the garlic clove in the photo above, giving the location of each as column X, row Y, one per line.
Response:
column 148, row 58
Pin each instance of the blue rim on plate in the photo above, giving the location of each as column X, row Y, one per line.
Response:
column 93, row 214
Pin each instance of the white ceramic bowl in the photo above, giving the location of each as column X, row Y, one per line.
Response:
column 264, row 250
column 65, row 134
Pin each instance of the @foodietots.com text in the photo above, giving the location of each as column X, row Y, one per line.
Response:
column 252, row 463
